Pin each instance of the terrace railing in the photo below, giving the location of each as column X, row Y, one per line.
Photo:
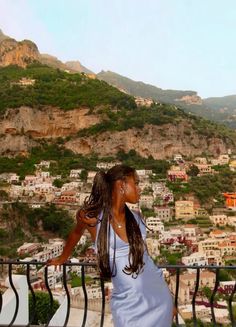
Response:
column 7, row 269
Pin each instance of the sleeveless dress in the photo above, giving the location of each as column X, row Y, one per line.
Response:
column 144, row 301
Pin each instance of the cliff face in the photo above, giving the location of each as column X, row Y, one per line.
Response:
column 18, row 53
column 161, row 142
column 22, row 128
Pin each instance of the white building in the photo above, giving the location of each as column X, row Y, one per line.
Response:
column 107, row 165
column 221, row 220
column 75, row 173
column 195, row 258
column 51, row 250
column 190, row 232
column 155, row 225
column 13, row 178
column 178, row 157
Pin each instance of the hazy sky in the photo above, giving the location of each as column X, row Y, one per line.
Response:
column 173, row 44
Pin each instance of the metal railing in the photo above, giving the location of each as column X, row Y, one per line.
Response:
column 7, row 268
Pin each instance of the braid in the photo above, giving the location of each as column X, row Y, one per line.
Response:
column 100, row 201
column 99, row 198
column 136, row 243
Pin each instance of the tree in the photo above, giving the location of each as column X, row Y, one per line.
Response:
column 193, row 171
column 3, row 195
column 42, row 313
column 57, row 183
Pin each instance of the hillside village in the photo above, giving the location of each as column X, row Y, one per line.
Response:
column 178, row 231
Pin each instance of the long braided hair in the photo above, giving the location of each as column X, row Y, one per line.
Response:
column 99, row 204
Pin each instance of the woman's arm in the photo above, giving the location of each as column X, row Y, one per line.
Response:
column 74, row 237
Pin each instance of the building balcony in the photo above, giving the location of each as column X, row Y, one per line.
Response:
column 20, row 280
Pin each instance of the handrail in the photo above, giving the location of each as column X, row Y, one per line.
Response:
column 175, row 270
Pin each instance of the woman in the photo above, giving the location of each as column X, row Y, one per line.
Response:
column 140, row 294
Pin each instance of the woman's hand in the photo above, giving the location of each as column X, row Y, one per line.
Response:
column 175, row 312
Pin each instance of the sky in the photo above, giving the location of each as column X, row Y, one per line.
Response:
column 172, row 44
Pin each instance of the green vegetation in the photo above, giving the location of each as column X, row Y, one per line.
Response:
column 57, row 88
column 3, row 195
column 53, row 219
column 23, row 222
column 132, row 158
column 42, row 312
column 210, row 129
column 142, row 89
column 63, row 160
column 76, row 280
column 208, row 187
column 169, row 258
column 123, row 119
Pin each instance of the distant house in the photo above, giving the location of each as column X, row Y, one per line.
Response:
column 195, row 258
column 24, row 81
column 75, row 173
column 28, row 248
column 223, row 159
column 184, row 210
column 154, row 225
column 177, row 173
column 221, row 220
column 107, row 165
column 143, row 102
column 164, row 213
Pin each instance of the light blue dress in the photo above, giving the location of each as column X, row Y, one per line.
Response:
column 144, row 301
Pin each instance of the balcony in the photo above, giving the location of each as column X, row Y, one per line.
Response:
column 22, row 280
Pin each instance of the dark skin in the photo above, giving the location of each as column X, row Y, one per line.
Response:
column 126, row 190
column 123, row 191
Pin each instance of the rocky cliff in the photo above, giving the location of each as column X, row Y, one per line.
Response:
column 22, row 128
column 18, row 53
column 160, row 142
column 25, row 52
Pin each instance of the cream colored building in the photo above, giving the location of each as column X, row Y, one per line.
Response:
column 223, row 159
column 153, row 246
column 188, row 281
column 204, row 169
column 200, row 160
column 184, row 210
column 146, row 201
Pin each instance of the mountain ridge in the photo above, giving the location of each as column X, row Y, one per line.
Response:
column 107, row 120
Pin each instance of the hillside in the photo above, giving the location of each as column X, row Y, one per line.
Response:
column 20, row 223
column 77, row 67
column 26, row 52
column 90, row 116
column 141, row 89
column 220, row 110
